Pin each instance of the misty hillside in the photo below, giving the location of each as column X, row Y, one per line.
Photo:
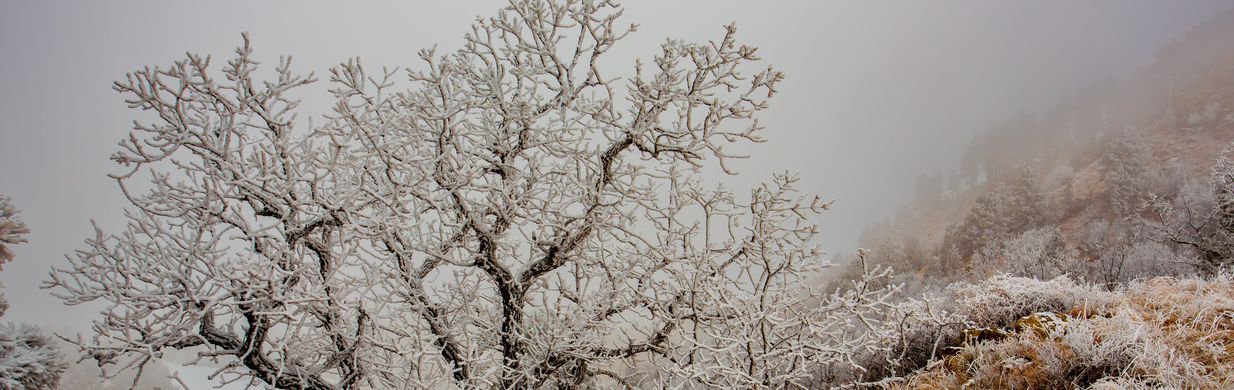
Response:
column 1087, row 246
column 1168, row 123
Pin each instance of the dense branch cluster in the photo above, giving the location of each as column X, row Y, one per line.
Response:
column 516, row 217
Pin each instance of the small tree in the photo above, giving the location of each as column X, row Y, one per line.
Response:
column 517, row 217
column 13, row 230
column 1199, row 217
column 28, row 359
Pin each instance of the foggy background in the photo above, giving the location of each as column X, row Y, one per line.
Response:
column 876, row 92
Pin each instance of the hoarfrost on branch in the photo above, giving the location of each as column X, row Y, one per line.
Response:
column 516, row 217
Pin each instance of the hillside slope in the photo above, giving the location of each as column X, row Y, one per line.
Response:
column 1087, row 247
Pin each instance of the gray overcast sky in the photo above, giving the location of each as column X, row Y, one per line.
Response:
column 877, row 92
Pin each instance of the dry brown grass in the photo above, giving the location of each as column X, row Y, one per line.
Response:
column 1160, row 333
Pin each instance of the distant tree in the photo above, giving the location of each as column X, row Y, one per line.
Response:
column 1168, row 179
column 518, row 218
column 915, row 254
column 1124, row 169
column 985, row 222
column 1200, row 218
column 1103, row 243
column 1206, row 118
column 28, row 359
column 1222, row 184
column 877, row 233
column 1041, row 253
column 949, row 257
column 1028, row 206
column 890, row 254
column 1003, row 212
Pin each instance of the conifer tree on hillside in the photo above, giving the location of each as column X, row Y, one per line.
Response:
column 1123, row 168
column 1005, row 211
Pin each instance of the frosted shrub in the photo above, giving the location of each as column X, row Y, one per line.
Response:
column 1146, row 259
column 28, row 359
column 1000, row 300
column 1103, row 344
column 1040, row 253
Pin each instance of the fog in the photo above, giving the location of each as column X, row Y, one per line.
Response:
column 876, row 93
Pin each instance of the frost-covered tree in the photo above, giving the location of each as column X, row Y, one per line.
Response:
column 13, row 230
column 1041, row 253
column 514, row 216
column 1221, row 180
column 1199, row 217
column 1120, row 252
column 28, row 359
